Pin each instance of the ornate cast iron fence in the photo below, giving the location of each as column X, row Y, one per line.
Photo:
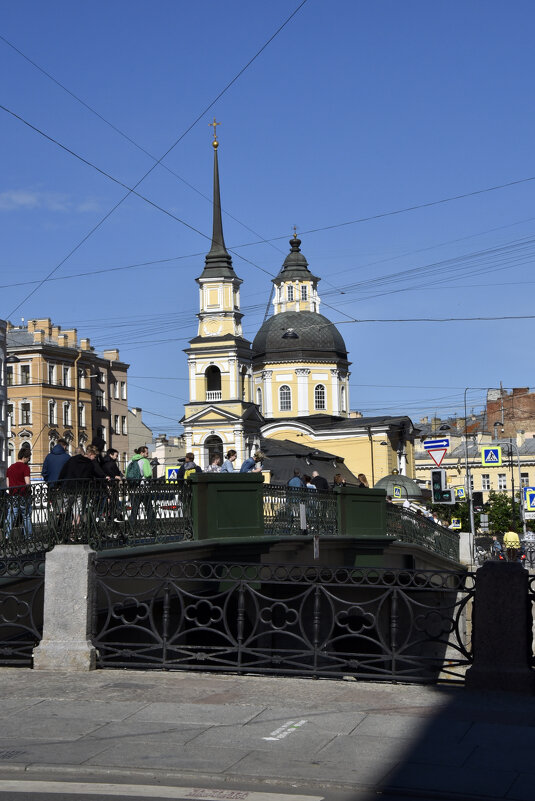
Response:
column 21, row 608
column 370, row 623
column 291, row 510
column 107, row 515
column 404, row 525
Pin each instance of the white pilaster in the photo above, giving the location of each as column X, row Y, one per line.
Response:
column 233, row 379
column 335, row 375
column 302, row 374
column 268, row 392
column 239, row 445
column 192, row 381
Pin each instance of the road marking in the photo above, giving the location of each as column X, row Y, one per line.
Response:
column 146, row 791
column 287, row 728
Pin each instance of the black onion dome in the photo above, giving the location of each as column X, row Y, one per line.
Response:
column 295, row 265
column 302, row 334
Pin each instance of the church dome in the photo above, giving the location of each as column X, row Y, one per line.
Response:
column 299, row 335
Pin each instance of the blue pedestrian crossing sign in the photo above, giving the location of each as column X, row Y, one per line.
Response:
column 492, row 456
column 460, row 493
column 396, row 492
column 171, row 473
column 455, row 523
column 529, row 499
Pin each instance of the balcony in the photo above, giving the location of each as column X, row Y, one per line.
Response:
column 213, row 395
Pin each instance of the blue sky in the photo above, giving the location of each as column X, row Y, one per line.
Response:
column 354, row 110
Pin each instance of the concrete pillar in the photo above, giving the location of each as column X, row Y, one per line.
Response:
column 501, row 634
column 66, row 643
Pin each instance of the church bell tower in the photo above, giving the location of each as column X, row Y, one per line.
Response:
column 220, row 414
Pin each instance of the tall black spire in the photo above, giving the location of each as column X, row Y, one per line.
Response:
column 218, row 262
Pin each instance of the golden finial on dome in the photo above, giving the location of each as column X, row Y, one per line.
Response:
column 215, row 143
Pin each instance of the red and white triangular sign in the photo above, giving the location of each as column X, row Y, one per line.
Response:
column 438, row 455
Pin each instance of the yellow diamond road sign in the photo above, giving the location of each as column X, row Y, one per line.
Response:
column 492, row 456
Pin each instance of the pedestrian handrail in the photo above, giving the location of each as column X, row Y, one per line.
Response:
column 102, row 514
column 295, row 510
column 406, row 526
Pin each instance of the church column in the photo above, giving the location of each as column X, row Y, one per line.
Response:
column 239, row 444
column 335, row 375
column 268, row 392
column 302, row 374
column 192, row 380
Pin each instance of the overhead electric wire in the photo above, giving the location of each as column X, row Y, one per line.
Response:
column 125, row 136
column 175, row 143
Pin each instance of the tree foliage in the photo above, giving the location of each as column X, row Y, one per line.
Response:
column 500, row 512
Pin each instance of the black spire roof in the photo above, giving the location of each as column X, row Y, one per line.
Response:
column 218, row 262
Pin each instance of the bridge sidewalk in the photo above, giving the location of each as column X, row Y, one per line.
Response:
column 416, row 741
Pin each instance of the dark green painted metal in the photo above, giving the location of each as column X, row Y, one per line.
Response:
column 225, row 505
column 362, row 512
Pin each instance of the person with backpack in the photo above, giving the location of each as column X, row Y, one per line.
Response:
column 188, row 468
column 138, row 471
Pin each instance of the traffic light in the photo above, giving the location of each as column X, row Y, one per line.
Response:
column 439, row 491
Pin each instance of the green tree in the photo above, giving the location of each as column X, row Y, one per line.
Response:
column 500, row 511
column 460, row 510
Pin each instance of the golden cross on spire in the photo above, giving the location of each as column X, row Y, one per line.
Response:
column 295, row 232
column 213, row 125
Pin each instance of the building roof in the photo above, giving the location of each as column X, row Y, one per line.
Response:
column 325, row 421
column 284, row 456
column 304, row 335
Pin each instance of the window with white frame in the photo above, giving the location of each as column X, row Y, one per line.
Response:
column 9, row 376
column 290, row 292
column 319, row 396
column 81, row 415
column 101, row 377
column 116, row 429
column 25, row 413
column 52, row 413
column 81, row 377
column 123, row 426
column 285, row 398
column 304, row 292
column 66, row 413
column 25, row 374
column 10, row 414
column 524, row 479
column 66, row 376
column 259, row 397
column 485, row 481
column 99, row 399
column 51, row 373
column 502, row 481
column 116, row 390
column 123, row 390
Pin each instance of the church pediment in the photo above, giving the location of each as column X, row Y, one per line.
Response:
column 212, row 414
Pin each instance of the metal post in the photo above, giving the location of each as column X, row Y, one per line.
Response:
column 469, row 482
column 371, row 452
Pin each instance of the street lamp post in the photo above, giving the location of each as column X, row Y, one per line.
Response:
column 469, row 480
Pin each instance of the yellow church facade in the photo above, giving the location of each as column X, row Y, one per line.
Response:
column 290, row 384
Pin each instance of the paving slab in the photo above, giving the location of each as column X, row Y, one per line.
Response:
column 295, row 736
column 148, row 731
column 464, row 781
column 198, row 713
column 28, row 752
column 167, row 756
column 338, row 722
column 88, row 710
column 38, row 727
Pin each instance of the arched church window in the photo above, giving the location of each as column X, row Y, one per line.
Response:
column 259, row 397
column 319, row 397
column 290, row 292
column 213, row 383
column 285, row 398
column 213, row 446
